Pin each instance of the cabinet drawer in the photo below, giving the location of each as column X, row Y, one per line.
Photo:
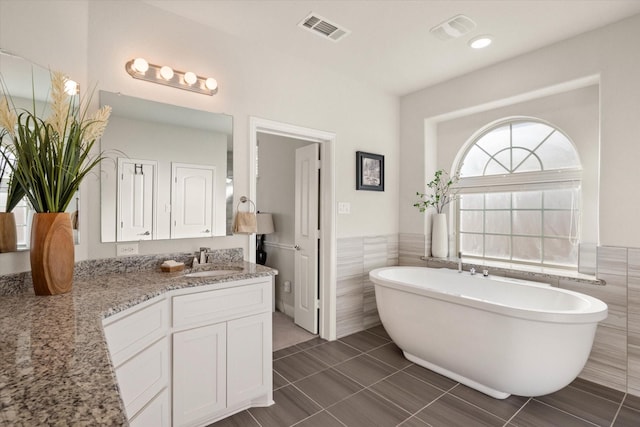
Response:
column 143, row 376
column 220, row 305
column 156, row 414
column 131, row 333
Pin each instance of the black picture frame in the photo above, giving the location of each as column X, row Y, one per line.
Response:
column 369, row 171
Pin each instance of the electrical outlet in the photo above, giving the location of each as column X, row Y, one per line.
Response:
column 126, row 249
column 344, row 207
column 287, row 286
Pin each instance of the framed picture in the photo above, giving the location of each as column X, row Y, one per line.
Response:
column 369, row 171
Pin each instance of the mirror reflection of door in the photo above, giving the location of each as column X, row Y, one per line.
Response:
column 137, row 180
column 193, row 198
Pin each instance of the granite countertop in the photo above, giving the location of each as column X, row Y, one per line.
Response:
column 55, row 368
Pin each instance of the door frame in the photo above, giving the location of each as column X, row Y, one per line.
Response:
column 327, row 261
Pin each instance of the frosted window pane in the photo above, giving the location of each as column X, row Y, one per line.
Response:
column 558, row 153
column 527, row 200
column 529, row 134
column 471, row 244
column 495, row 140
column 474, row 162
column 471, row 221
column 498, row 201
column 518, row 155
column 557, row 223
column 472, row 201
column 560, row 199
column 497, row 222
column 504, row 158
column 20, row 214
column 527, row 249
column 527, row 222
column 495, row 168
column 531, row 164
column 498, row 247
column 560, row 251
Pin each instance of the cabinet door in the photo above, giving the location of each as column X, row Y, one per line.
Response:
column 156, row 414
column 248, row 358
column 199, row 374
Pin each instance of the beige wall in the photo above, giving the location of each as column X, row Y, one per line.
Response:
column 91, row 41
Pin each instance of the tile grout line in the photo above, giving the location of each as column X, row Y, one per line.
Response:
column 517, row 412
column 254, row 418
column 562, row 410
column 471, row 404
column 615, row 417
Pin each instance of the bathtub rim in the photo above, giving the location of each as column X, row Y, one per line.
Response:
column 597, row 310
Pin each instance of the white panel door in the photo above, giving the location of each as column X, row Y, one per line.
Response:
column 306, row 237
column 199, row 374
column 136, row 199
column 192, row 199
column 249, row 373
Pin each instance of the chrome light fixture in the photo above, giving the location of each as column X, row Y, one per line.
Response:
column 139, row 68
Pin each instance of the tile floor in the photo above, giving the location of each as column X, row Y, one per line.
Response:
column 363, row 380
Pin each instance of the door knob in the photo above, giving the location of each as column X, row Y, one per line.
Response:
column 146, row 233
column 296, row 247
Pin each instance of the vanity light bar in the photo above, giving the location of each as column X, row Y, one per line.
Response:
column 139, row 68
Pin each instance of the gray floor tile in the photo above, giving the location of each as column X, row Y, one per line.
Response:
column 406, row 391
column 364, row 341
column 298, row 366
column 632, row 402
column 321, row 419
column 365, row 369
column 449, row 411
column 366, row 409
column 431, row 377
column 503, row 408
column 414, row 422
column 279, row 381
column 380, row 331
column 627, row 417
column 291, row 406
column 582, row 404
column 311, row 343
column 241, row 419
column 537, row 414
column 391, row 354
column 333, row 352
column 598, row 390
column 285, row 352
column 328, row 387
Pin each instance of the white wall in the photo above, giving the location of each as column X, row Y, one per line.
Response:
column 91, row 41
column 608, row 52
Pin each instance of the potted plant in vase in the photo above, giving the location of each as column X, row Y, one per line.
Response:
column 440, row 197
column 52, row 156
column 14, row 193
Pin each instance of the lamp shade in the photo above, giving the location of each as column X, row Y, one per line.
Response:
column 265, row 223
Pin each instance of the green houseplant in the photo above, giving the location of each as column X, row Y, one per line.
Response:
column 441, row 195
column 48, row 159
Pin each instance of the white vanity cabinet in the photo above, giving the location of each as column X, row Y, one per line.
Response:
column 222, row 351
column 194, row 356
column 140, row 352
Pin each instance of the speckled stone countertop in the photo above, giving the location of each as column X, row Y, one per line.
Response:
column 55, row 368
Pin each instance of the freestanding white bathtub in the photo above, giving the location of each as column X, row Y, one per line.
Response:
column 499, row 336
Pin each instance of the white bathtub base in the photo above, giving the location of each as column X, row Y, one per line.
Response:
column 456, row 377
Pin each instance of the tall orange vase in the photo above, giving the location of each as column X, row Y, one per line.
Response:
column 52, row 253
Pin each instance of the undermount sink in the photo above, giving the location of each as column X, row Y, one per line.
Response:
column 211, row 273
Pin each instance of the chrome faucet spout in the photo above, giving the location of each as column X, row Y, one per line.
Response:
column 459, row 262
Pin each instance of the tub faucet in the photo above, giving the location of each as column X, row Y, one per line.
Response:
column 485, row 273
column 459, row 262
column 472, row 271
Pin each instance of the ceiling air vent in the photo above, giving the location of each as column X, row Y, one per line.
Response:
column 322, row 27
column 453, row 28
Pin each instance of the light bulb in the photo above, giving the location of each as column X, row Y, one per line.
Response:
column 480, row 42
column 140, row 65
column 211, row 83
column 70, row 87
column 166, row 72
column 190, row 78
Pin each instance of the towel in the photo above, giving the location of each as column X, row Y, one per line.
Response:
column 245, row 223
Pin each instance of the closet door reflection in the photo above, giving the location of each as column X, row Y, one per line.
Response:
column 136, row 199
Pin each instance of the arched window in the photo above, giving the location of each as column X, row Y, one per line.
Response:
column 519, row 195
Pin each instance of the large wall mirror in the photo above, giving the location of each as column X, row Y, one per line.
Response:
column 169, row 172
column 28, row 85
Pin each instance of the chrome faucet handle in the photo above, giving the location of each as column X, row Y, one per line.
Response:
column 472, row 271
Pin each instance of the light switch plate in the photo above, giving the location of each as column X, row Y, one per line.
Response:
column 344, row 207
column 126, row 249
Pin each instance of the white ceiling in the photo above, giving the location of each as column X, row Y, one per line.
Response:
column 390, row 46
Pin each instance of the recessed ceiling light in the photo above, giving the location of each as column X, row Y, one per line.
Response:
column 480, row 42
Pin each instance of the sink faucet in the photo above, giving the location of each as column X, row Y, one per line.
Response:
column 202, row 255
column 459, row 262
